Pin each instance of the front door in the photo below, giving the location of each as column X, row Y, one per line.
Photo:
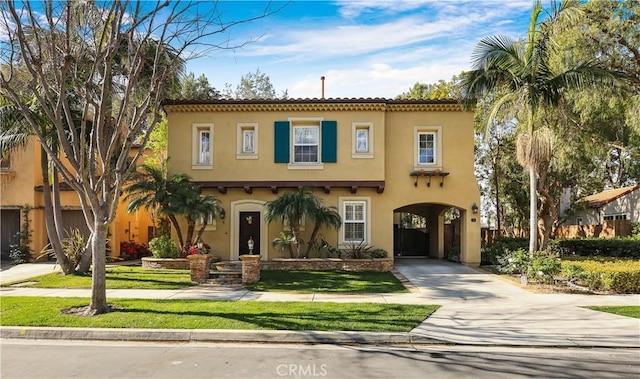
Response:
column 249, row 230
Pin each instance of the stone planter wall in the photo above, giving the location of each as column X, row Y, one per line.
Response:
column 199, row 266
column 168, row 263
column 318, row 264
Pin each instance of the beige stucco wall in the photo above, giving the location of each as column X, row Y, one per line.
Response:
column 227, row 167
column 393, row 161
column 17, row 190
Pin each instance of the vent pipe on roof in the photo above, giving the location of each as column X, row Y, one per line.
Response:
column 322, row 80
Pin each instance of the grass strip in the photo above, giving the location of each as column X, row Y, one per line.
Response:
column 625, row 310
column 118, row 277
column 327, row 281
column 207, row 314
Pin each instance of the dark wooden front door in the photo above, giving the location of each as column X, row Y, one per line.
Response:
column 249, row 229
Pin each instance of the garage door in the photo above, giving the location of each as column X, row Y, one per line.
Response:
column 75, row 220
column 10, row 222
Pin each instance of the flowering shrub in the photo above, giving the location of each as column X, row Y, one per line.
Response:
column 187, row 250
column 133, row 250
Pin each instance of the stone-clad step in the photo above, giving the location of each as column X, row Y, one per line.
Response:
column 226, row 273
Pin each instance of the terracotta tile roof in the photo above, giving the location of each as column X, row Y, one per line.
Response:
column 309, row 101
column 605, row 197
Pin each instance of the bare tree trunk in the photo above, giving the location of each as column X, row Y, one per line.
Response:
column 50, row 222
column 85, row 260
column 191, row 226
column 533, row 210
column 98, row 303
column 312, row 239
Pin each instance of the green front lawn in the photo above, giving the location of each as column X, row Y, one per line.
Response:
column 327, row 281
column 119, row 277
column 207, row 314
column 628, row 310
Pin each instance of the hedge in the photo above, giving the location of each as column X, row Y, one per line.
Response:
column 501, row 246
column 603, row 274
column 616, row 247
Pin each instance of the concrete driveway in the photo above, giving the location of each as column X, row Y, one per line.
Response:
column 480, row 308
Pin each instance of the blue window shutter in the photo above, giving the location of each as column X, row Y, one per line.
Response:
column 329, row 141
column 281, row 145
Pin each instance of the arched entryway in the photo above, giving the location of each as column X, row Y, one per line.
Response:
column 247, row 223
column 433, row 231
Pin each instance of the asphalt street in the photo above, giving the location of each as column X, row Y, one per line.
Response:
column 102, row 359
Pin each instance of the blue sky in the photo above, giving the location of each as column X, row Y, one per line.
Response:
column 369, row 48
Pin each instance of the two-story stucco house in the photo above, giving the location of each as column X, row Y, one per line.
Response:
column 21, row 196
column 370, row 158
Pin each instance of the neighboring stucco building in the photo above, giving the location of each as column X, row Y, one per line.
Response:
column 370, row 158
column 609, row 205
column 21, row 189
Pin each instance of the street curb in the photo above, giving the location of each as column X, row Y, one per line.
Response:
column 215, row 335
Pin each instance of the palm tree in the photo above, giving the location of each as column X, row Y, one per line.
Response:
column 195, row 206
column 522, row 75
column 323, row 217
column 152, row 189
column 292, row 207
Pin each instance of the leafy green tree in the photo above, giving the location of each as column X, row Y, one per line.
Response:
column 524, row 72
column 254, row 85
column 436, row 91
column 197, row 89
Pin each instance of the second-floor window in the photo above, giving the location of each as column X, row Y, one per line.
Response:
column 202, row 146
column 426, row 148
column 247, row 144
column 306, row 144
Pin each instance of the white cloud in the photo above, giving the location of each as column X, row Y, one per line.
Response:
column 375, row 80
column 353, row 40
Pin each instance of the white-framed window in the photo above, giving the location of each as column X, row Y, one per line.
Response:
column 362, row 137
column 211, row 222
column 617, row 216
column 202, row 146
column 427, row 147
column 306, row 144
column 247, row 136
column 356, row 220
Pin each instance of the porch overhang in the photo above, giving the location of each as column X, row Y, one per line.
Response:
column 275, row 186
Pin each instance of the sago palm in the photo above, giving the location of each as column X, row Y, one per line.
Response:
column 522, row 75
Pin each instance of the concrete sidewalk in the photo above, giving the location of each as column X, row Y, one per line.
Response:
column 476, row 308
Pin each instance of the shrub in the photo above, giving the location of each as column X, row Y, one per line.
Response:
column 454, row 254
column 514, row 262
column 490, row 254
column 164, row 247
column 133, row 250
column 73, row 246
column 357, row 250
column 544, row 266
column 627, row 247
column 603, row 273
